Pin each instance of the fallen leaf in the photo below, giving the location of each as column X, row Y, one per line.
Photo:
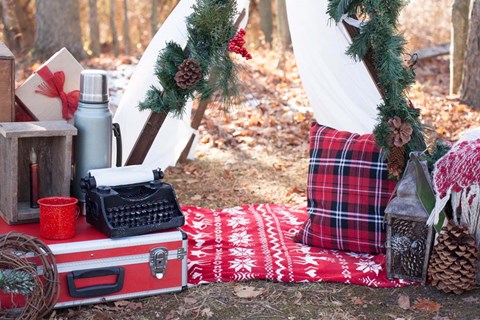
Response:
column 170, row 315
column 181, row 310
column 404, row 302
column 278, row 166
column 471, row 299
column 300, row 117
column 298, row 295
column 71, row 313
column 121, row 303
column 196, row 197
column 53, row 315
column 247, row 292
column 462, row 108
column 135, row 305
column 295, row 190
column 190, row 301
column 337, row 303
column 100, row 315
column 427, row 304
column 357, row 301
column 207, row 313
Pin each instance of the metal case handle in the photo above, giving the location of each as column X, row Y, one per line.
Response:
column 99, row 289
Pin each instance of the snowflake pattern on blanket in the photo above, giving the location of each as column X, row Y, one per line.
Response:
column 256, row 242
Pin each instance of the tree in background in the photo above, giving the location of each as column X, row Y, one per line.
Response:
column 126, row 36
column 460, row 13
column 470, row 92
column 57, row 26
column 153, row 17
column 283, row 28
column 94, row 28
column 266, row 19
column 12, row 32
column 113, row 28
column 24, row 12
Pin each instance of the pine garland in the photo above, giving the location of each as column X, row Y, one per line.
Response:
column 16, row 281
column 210, row 28
column 380, row 35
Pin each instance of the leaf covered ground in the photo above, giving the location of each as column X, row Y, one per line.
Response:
column 257, row 152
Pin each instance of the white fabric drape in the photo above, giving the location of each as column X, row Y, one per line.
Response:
column 341, row 92
column 174, row 133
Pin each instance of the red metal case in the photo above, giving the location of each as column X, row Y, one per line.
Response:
column 94, row 268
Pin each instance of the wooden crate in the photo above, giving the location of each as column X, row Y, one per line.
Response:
column 7, row 84
column 52, row 142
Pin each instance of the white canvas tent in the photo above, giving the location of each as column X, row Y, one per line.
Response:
column 174, row 133
column 341, row 91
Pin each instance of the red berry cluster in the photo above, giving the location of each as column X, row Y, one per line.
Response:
column 236, row 45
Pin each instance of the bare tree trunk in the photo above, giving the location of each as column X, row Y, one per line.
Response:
column 126, row 35
column 470, row 92
column 94, row 27
column 114, row 29
column 26, row 20
column 57, row 26
column 11, row 27
column 283, row 29
column 460, row 14
column 153, row 17
column 266, row 19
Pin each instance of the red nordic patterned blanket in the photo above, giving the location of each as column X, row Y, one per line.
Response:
column 256, row 242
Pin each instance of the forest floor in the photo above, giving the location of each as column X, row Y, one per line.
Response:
column 257, row 152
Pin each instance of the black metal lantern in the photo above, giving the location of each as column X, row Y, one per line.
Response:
column 409, row 239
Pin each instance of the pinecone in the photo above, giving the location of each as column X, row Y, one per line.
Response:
column 412, row 260
column 400, row 244
column 453, row 264
column 396, row 160
column 401, row 132
column 402, row 227
column 188, row 74
column 412, row 264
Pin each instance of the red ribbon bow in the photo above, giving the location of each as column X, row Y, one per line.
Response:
column 53, row 87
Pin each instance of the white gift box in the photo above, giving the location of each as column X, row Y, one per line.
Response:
column 43, row 96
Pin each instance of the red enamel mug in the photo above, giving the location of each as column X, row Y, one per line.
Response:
column 58, row 216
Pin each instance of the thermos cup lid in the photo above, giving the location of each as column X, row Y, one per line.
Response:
column 93, row 86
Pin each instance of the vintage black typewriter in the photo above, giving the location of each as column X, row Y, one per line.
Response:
column 126, row 209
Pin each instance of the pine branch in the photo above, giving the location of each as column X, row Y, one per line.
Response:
column 379, row 34
column 210, row 28
column 16, row 281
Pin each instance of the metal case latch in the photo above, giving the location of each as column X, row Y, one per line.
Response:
column 158, row 262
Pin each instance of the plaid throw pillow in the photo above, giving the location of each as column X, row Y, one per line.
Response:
column 347, row 192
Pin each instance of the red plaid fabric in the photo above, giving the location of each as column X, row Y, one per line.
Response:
column 347, row 192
